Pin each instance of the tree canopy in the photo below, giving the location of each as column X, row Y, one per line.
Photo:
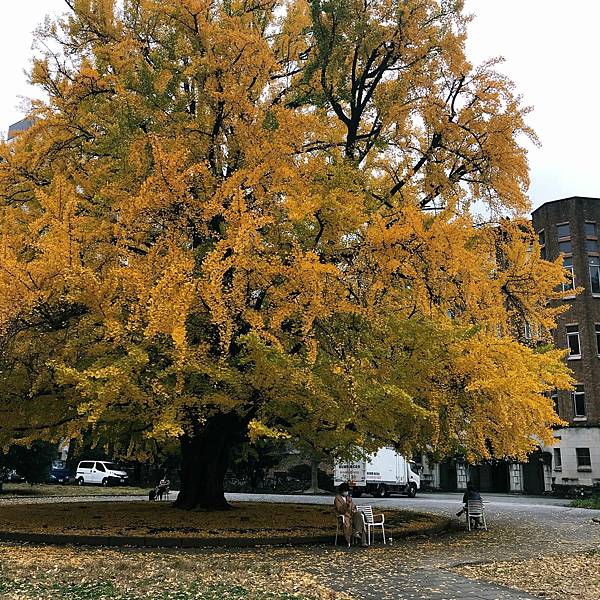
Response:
column 263, row 218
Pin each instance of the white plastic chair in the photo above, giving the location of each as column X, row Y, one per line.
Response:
column 372, row 521
column 340, row 529
column 475, row 511
column 162, row 490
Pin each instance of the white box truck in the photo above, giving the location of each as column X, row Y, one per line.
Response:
column 380, row 474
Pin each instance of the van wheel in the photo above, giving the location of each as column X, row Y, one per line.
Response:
column 356, row 494
column 105, row 482
column 80, row 481
column 412, row 490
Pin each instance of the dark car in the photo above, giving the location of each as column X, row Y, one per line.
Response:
column 59, row 473
column 11, row 476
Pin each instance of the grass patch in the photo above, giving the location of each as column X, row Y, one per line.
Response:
column 160, row 519
column 17, row 490
column 104, row 590
column 64, row 590
column 593, row 502
column 34, row 573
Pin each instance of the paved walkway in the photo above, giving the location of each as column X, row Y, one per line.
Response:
column 433, row 584
column 520, row 527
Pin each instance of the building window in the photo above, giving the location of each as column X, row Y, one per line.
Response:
column 597, row 327
column 542, row 241
column 594, row 263
column 563, row 230
column 564, row 238
column 573, row 341
column 591, row 245
column 565, row 247
column 578, row 397
column 554, row 398
column 557, row 459
column 568, row 266
column 584, row 460
column 590, row 230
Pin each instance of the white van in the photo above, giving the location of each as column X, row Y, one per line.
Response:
column 101, row 472
column 380, row 474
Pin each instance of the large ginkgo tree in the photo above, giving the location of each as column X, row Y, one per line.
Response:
column 293, row 219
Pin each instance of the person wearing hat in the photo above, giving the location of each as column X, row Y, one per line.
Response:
column 354, row 522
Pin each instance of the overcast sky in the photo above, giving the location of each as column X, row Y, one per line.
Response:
column 551, row 49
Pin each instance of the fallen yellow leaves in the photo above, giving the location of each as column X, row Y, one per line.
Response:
column 554, row 577
column 33, row 573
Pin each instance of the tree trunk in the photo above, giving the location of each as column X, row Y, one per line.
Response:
column 314, row 473
column 204, row 462
column 314, row 477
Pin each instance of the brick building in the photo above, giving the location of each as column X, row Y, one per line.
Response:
column 570, row 227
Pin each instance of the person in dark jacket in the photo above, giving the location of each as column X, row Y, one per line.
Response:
column 470, row 494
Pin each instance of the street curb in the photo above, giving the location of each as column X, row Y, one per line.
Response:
column 183, row 542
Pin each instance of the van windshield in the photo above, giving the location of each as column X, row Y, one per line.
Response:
column 111, row 466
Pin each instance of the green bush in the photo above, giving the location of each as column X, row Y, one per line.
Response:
column 593, row 502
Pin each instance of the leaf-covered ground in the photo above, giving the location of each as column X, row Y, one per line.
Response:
column 550, row 551
column 17, row 490
column 556, row 559
column 162, row 520
column 554, row 577
column 44, row 573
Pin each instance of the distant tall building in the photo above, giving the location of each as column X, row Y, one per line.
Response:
column 18, row 127
column 570, row 227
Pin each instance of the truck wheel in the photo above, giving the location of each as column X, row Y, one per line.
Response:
column 412, row 490
column 80, row 481
column 105, row 482
column 381, row 491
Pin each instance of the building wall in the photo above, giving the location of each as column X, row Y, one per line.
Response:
column 18, row 127
column 583, row 311
column 568, row 440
